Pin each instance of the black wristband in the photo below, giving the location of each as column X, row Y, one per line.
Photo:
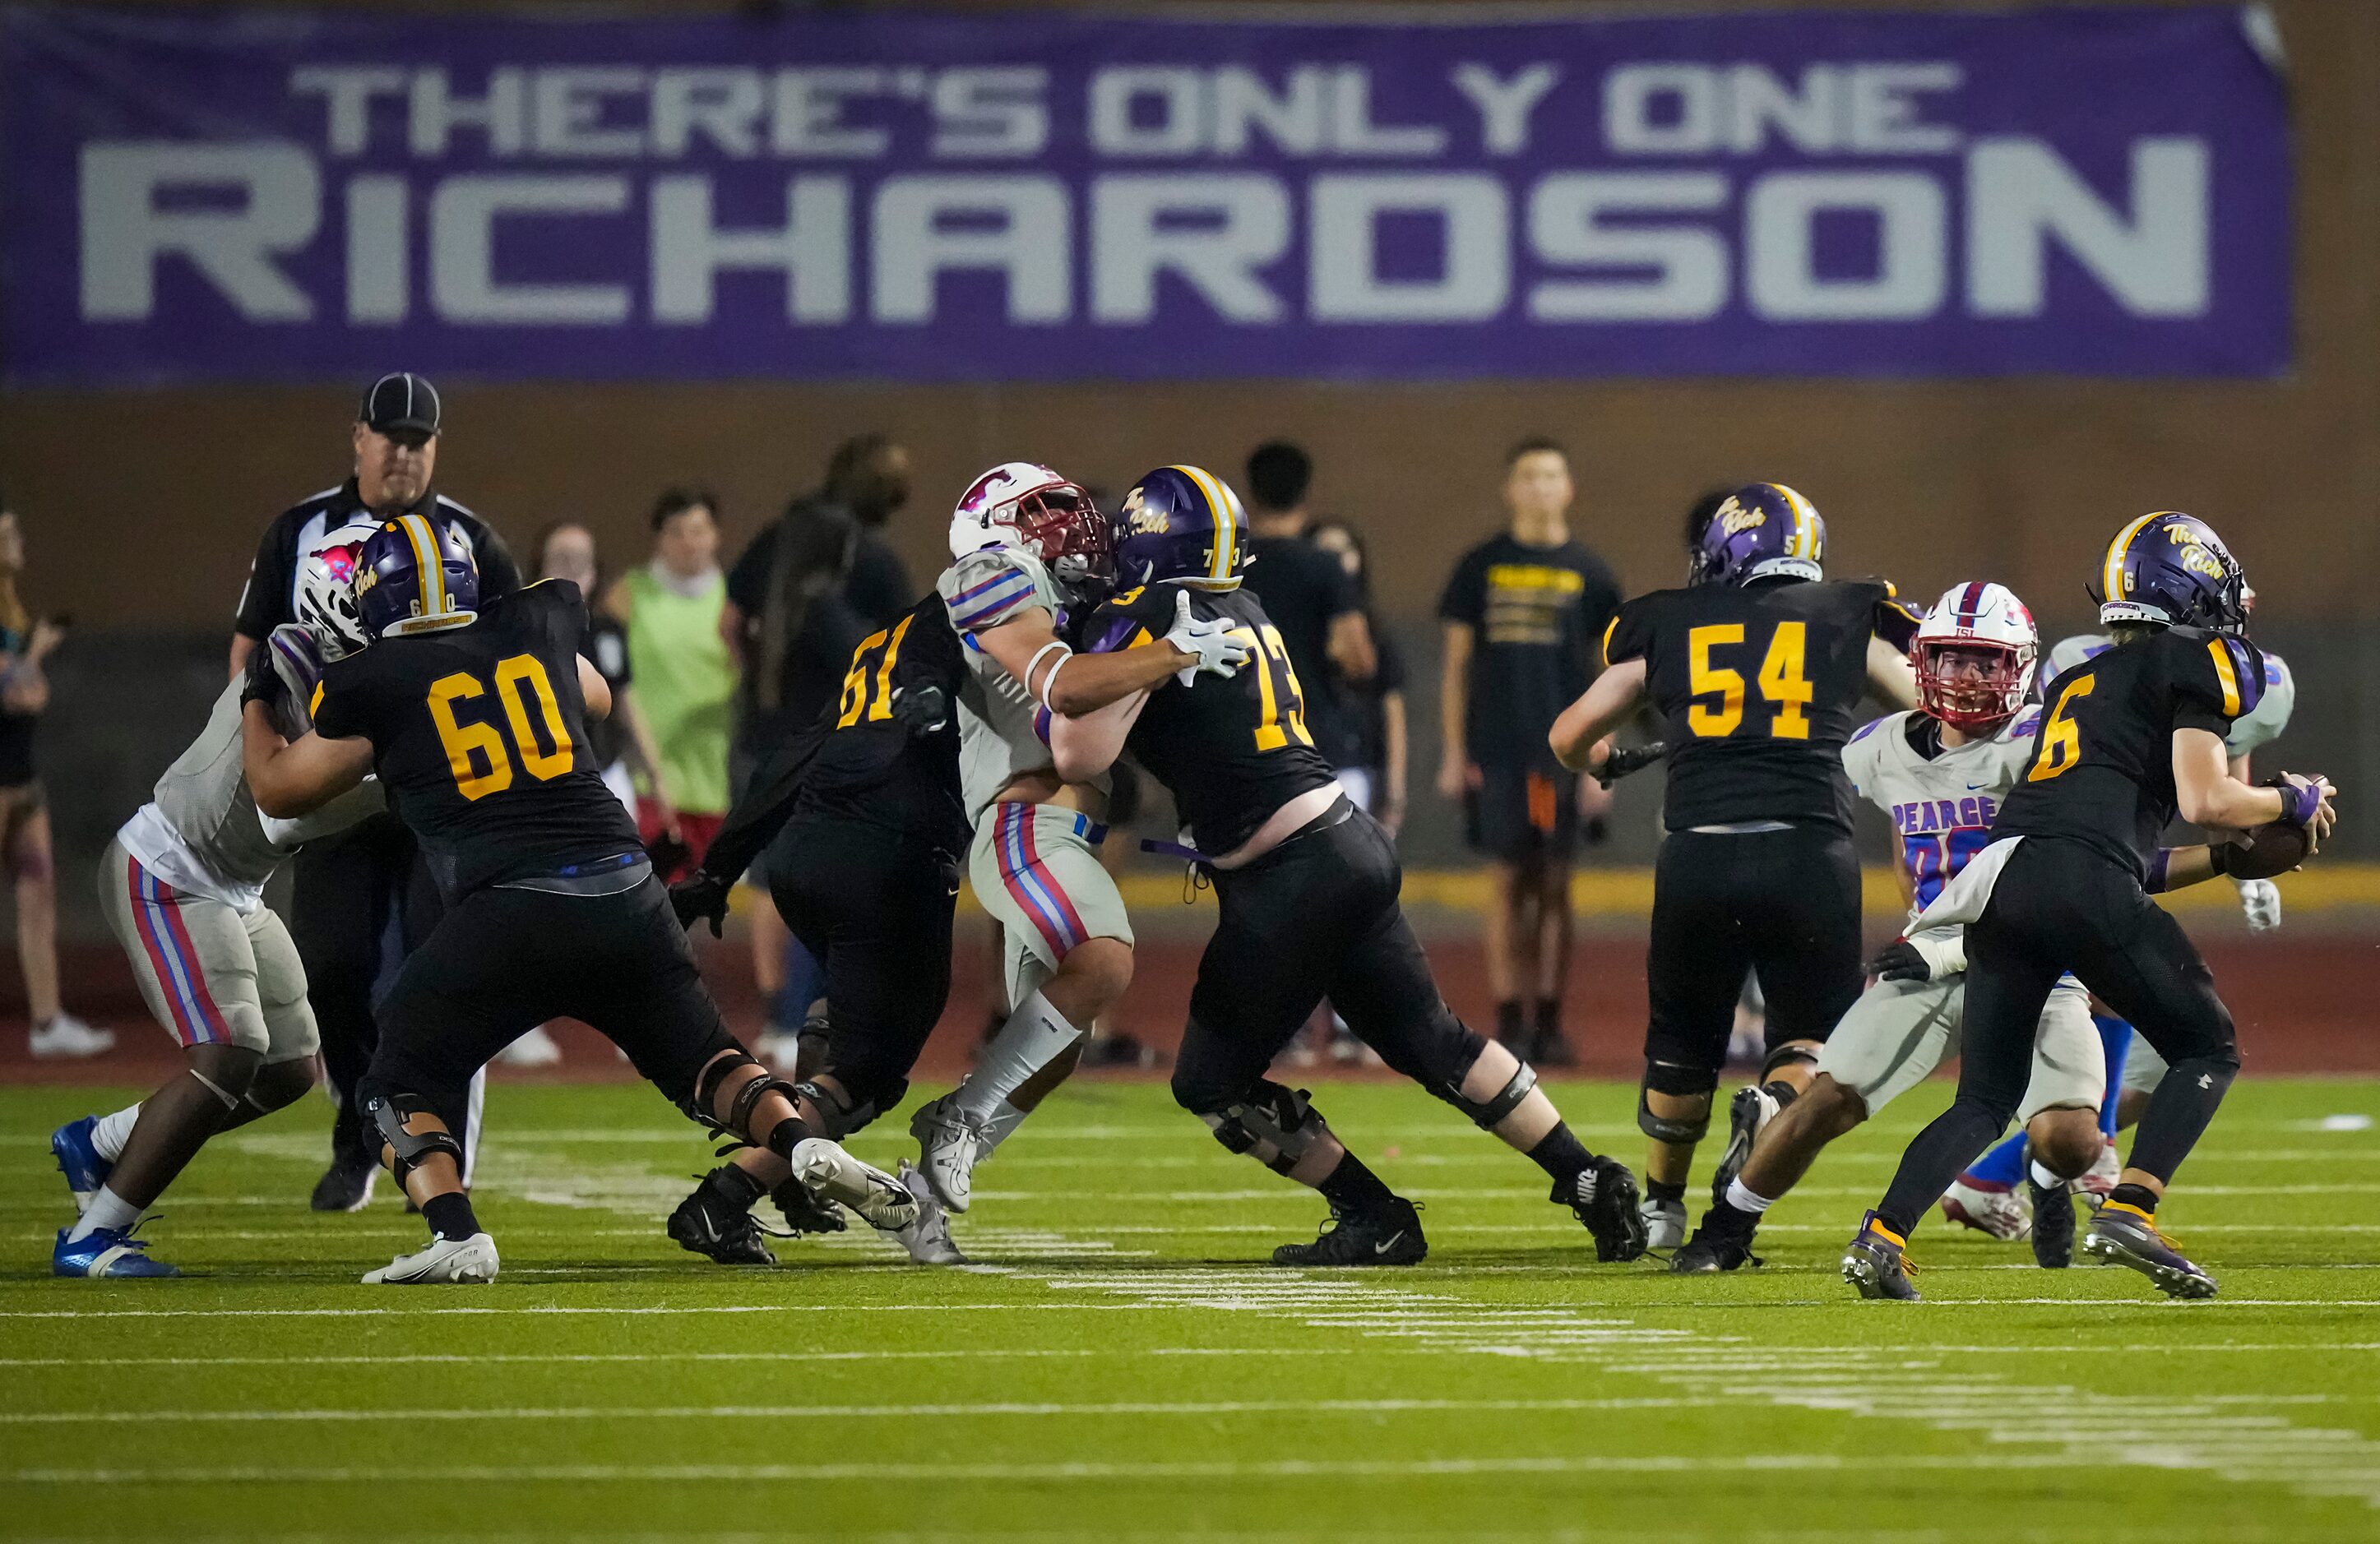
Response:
column 2218, row 854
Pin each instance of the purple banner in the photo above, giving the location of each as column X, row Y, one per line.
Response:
column 913, row 195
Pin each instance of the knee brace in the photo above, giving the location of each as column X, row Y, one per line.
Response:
column 1283, row 1119
column 714, row 1075
column 1678, row 1082
column 1490, row 1113
column 391, row 1116
column 1796, row 1053
column 842, row 1113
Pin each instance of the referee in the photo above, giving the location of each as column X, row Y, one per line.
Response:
column 350, row 887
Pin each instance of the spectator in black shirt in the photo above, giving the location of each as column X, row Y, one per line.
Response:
column 1524, row 614
column 1309, row 597
column 1375, row 709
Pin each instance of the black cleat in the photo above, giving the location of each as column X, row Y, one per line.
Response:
column 1605, row 1198
column 1747, row 1113
column 1713, row 1247
column 710, row 1224
column 1876, row 1265
column 2053, row 1225
column 1391, row 1236
column 2125, row 1236
column 345, row 1186
column 806, row 1211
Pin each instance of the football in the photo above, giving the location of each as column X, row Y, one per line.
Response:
column 2267, row 850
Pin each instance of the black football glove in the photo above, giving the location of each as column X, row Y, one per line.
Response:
column 921, row 709
column 1630, row 758
column 1900, row 962
column 261, row 682
column 700, row 897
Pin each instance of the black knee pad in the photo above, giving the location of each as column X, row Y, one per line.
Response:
column 714, row 1075
column 1282, row 1118
column 391, row 1114
column 1796, row 1053
column 867, row 1096
column 1678, row 1082
column 1488, row 1113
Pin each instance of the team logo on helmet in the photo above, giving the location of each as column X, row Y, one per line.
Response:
column 326, row 591
column 1762, row 531
column 1182, row 524
column 2189, row 579
column 1026, row 505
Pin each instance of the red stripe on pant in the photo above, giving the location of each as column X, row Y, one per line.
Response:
column 190, row 1006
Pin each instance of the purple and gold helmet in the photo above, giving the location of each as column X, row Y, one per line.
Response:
column 1762, row 531
column 1181, row 525
column 2172, row 568
column 415, row 575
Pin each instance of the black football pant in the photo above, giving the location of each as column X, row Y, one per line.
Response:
column 1784, row 904
column 2061, row 906
column 346, row 889
column 504, row 960
column 873, row 907
column 1316, row 916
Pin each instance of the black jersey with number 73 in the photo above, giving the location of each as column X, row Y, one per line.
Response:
column 480, row 736
column 1759, row 685
column 1230, row 749
column 2102, row 771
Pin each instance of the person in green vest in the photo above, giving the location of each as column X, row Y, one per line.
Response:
column 684, row 674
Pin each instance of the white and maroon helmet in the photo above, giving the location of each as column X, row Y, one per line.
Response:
column 326, row 589
column 1022, row 504
column 1976, row 625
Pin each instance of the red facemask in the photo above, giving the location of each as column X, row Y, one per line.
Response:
column 1973, row 701
column 1060, row 521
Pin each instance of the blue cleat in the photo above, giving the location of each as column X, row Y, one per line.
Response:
column 85, row 1170
column 2126, row 1236
column 1875, row 1263
column 106, row 1252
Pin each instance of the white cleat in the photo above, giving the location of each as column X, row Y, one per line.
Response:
column 536, row 1048
column 830, row 1172
column 929, row 1238
column 457, row 1260
column 950, row 1144
column 1665, row 1223
column 2100, row 1177
column 68, row 1038
column 1997, row 1213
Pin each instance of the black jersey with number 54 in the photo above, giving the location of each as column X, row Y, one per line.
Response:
column 2102, row 771
column 1230, row 749
column 1758, row 685
column 480, row 736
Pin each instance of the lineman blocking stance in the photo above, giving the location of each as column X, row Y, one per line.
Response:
column 474, row 720
column 183, row 887
column 1757, row 666
column 1307, row 885
column 2131, row 738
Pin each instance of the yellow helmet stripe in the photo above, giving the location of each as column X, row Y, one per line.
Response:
column 1226, row 523
column 425, row 559
column 1806, row 532
column 2111, row 582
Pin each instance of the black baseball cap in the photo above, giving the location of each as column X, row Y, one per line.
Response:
column 400, row 403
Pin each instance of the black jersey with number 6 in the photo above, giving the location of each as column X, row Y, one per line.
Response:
column 1759, row 685
column 2102, row 770
column 1231, row 749
column 479, row 735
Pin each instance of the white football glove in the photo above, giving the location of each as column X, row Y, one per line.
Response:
column 2261, row 900
column 1218, row 653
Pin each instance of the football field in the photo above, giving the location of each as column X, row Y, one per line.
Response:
column 1120, row 1365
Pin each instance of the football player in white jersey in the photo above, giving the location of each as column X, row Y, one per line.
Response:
column 1025, row 541
column 1940, row 773
column 183, row 887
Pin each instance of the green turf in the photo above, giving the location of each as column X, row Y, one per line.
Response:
column 1122, row 1365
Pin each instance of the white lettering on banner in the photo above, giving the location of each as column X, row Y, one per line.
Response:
column 1352, row 131
column 1504, row 105
column 1116, row 98
column 812, row 249
column 1689, row 281
column 1863, row 108
column 991, row 114
column 1150, row 111
column 379, row 276
column 1344, row 280
column 1883, row 108
column 723, row 106
column 1029, row 246
column 125, row 233
column 1294, row 121
column 2020, row 194
column 1687, row 121
column 1137, row 233
column 567, row 113
column 809, row 107
column 346, row 92
column 463, row 282
column 433, row 113
column 1911, row 268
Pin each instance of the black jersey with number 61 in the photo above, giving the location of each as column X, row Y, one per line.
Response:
column 2102, row 770
column 480, row 736
column 1230, row 749
column 1759, row 685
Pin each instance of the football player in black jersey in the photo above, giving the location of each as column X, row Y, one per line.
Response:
column 1307, row 884
column 474, row 717
column 2132, row 736
column 1757, row 666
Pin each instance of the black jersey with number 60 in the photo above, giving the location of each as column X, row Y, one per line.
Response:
column 1758, row 685
column 2102, row 770
column 1230, row 749
column 480, row 736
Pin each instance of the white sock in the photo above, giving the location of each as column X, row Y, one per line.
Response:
column 1745, row 1200
column 107, row 1138
column 1035, row 1035
column 107, row 1209
column 2046, row 1179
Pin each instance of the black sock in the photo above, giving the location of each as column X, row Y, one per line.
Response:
column 1733, row 1220
column 2179, row 1112
column 1353, row 1188
column 790, row 1130
column 736, row 1187
column 450, row 1217
column 2137, row 1195
column 1549, row 1018
column 1508, row 1021
column 1934, row 1158
column 1661, row 1191
column 1561, row 1155
column 1781, row 1092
